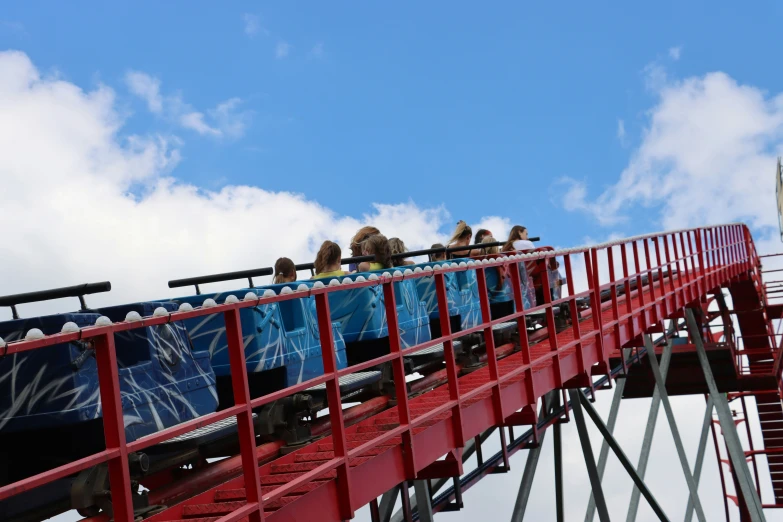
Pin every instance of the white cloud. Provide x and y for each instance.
(499, 226)
(225, 119)
(282, 49)
(100, 206)
(195, 121)
(229, 119)
(252, 24)
(146, 87)
(709, 150)
(675, 52)
(621, 131)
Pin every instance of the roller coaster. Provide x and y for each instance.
(309, 400)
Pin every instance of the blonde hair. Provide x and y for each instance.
(329, 254)
(462, 231)
(492, 249)
(284, 267)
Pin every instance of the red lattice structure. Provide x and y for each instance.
(372, 448)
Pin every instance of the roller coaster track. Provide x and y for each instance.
(330, 478)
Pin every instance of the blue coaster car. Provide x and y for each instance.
(282, 343)
(161, 381)
(361, 313)
(50, 410)
(461, 293)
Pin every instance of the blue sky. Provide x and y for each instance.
(161, 140)
(442, 103)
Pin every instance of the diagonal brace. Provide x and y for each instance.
(621, 456)
(587, 451)
(667, 407)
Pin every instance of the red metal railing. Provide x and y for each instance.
(680, 268)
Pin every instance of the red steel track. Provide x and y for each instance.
(329, 479)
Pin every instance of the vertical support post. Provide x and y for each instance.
(705, 431)
(247, 436)
(451, 363)
(604, 454)
(580, 356)
(407, 515)
(398, 373)
(423, 502)
(557, 435)
(550, 323)
(595, 299)
(114, 427)
(530, 469)
(489, 341)
(587, 450)
(335, 406)
(736, 453)
(661, 385)
(524, 344)
(649, 431)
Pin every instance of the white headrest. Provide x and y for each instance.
(69, 327)
(35, 333)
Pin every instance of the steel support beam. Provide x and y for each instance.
(423, 502)
(527, 481)
(705, 431)
(587, 450)
(736, 453)
(468, 451)
(388, 500)
(531, 464)
(649, 432)
(619, 386)
(558, 466)
(667, 407)
(620, 455)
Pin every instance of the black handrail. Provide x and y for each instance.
(249, 274)
(226, 276)
(55, 293)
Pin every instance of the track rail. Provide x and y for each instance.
(331, 478)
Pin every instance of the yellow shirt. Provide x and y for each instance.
(376, 266)
(334, 273)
